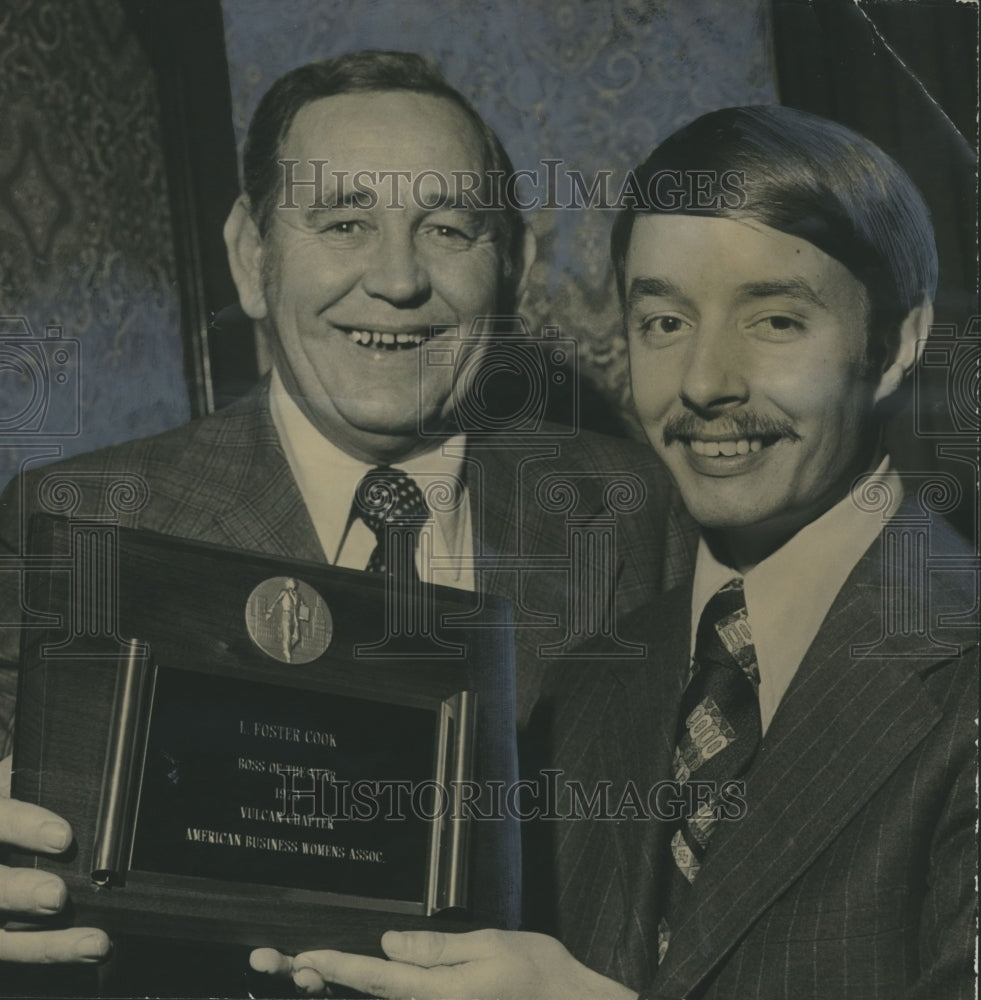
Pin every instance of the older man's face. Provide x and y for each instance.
(352, 289)
(748, 367)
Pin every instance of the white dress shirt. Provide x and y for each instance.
(327, 478)
(789, 594)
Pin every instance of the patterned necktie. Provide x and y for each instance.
(392, 505)
(718, 735)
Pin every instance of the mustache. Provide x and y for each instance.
(740, 424)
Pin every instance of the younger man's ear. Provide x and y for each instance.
(244, 246)
(912, 340)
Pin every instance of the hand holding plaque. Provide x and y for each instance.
(38, 896)
(268, 755)
(428, 965)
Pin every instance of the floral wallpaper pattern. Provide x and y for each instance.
(86, 250)
(595, 83)
(85, 239)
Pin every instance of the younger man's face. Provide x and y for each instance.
(748, 364)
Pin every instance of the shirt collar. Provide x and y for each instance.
(789, 593)
(327, 476)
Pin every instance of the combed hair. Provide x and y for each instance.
(366, 71)
(814, 179)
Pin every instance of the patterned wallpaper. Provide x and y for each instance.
(596, 83)
(85, 240)
(85, 243)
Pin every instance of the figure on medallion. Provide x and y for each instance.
(291, 612)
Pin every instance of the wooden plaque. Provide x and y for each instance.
(258, 751)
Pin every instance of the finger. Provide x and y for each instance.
(271, 962)
(77, 944)
(6, 768)
(432, 948)
(32, 827)
(27, 890)
(310, 982)
(375, 976)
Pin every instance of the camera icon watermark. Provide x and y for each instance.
(39, 381)
(505, 380)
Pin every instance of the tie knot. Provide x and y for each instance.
(387, 496)
(724, 637)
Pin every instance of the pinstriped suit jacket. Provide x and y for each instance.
(225, 479)
(852, 873)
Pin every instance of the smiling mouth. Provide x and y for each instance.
(730, 447)
(384, 341)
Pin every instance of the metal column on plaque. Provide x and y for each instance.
(122, 769)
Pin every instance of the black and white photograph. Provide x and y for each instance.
(489, 499)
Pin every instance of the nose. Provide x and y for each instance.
(715, 375)
(395, 271)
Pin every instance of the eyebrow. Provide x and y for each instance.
(652, 288)
(360, 201)
(791, 288)
(450, 202)
(330, 202)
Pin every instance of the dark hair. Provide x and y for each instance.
(367, 71)
(810, 178)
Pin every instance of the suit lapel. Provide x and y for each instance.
(260, 507)
(843, 727)
(492, 479)
(646, 718)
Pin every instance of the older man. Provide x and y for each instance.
(801, 738)
(369, 229)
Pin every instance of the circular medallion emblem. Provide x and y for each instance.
(288, 620)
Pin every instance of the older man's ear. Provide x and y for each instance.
(912, 340)
(244, 245)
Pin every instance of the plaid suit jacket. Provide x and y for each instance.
(852, 873)
(226, 480)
